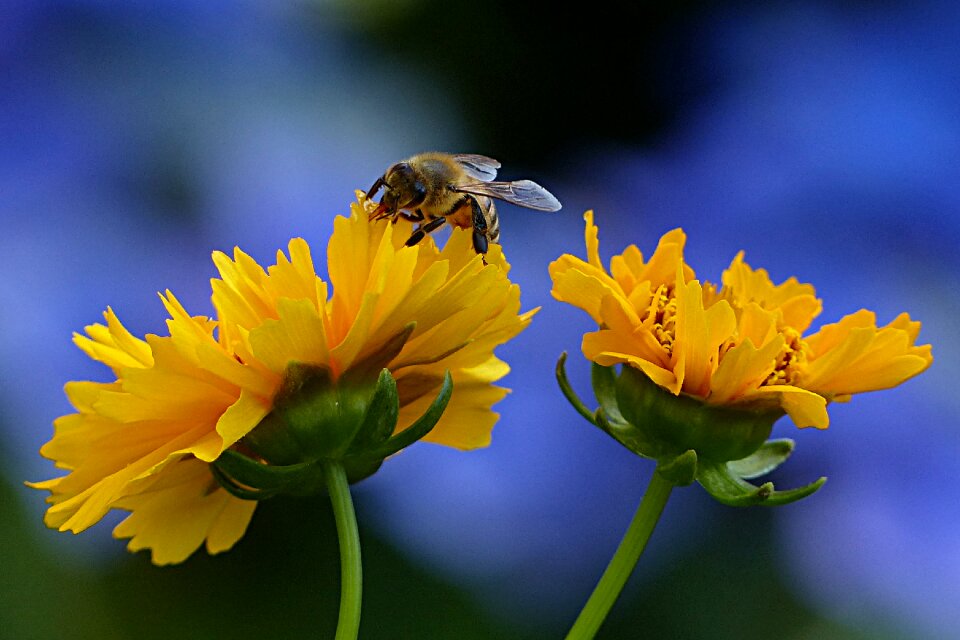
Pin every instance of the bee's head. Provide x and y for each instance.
(403, 188)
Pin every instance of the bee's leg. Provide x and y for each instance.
(479, 227)
(423, 230)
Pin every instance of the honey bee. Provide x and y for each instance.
(434, 188)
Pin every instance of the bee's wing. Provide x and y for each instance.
(479, 167)
(525, 193)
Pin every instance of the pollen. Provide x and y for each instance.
(791, 360)
(661, 316)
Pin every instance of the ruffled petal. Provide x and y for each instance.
(743, 368)
(205, 513)
(699, 334)
(113, 345)
(805, 408)
(854, 356)
(796, 302)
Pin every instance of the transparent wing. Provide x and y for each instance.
(525, 193)
(479, 167)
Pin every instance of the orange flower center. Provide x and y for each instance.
(791, 360)
(661, 315)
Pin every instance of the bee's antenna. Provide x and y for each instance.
(372, 191)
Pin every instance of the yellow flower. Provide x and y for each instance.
(144, 442)
(742, 346)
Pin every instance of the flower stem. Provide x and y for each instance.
(351, 572)
(623, 561)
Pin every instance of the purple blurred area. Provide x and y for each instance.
(824, 139)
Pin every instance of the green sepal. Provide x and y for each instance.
(314, 416)
(724, 485)
(421, 427)
(363, 462)
(719, 446)
(380, 417)
(267, 480)
(676, 423)
(569, 393)
(681, 470)
(727, 488)
(768, 457)
(604, 381)
(237, 491)
(357, 469)
(316, 420)
(779, 498)
(628, 436)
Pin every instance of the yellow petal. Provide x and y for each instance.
(345, 353)
(797, 303)
(298, 335)
(237, 421)
(245, 277)
(699, 334)
(757, 324)
(113, 345)
(606, 349)
(743, 368)
(349, 254)
(177, 514)
(832, 335)
(468, 420)
(854, 356)
(296, 277)
(580, 289)
(422, 307)
(230, 524)
(84, 394)
(667, 259)
(805, 408)
(592, 238)
(627, 268)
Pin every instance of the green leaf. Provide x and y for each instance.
(729, 489)
(418, 429)
(568, 391)
(681, 470)
(768, 457)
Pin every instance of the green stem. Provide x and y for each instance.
(351, 572)
(623, 561)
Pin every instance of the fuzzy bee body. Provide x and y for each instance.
(434, 188)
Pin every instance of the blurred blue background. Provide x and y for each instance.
(821, 137)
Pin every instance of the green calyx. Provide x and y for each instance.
(719, 447)
(318, 419)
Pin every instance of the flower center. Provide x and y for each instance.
(662, 316)
(791, 360)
